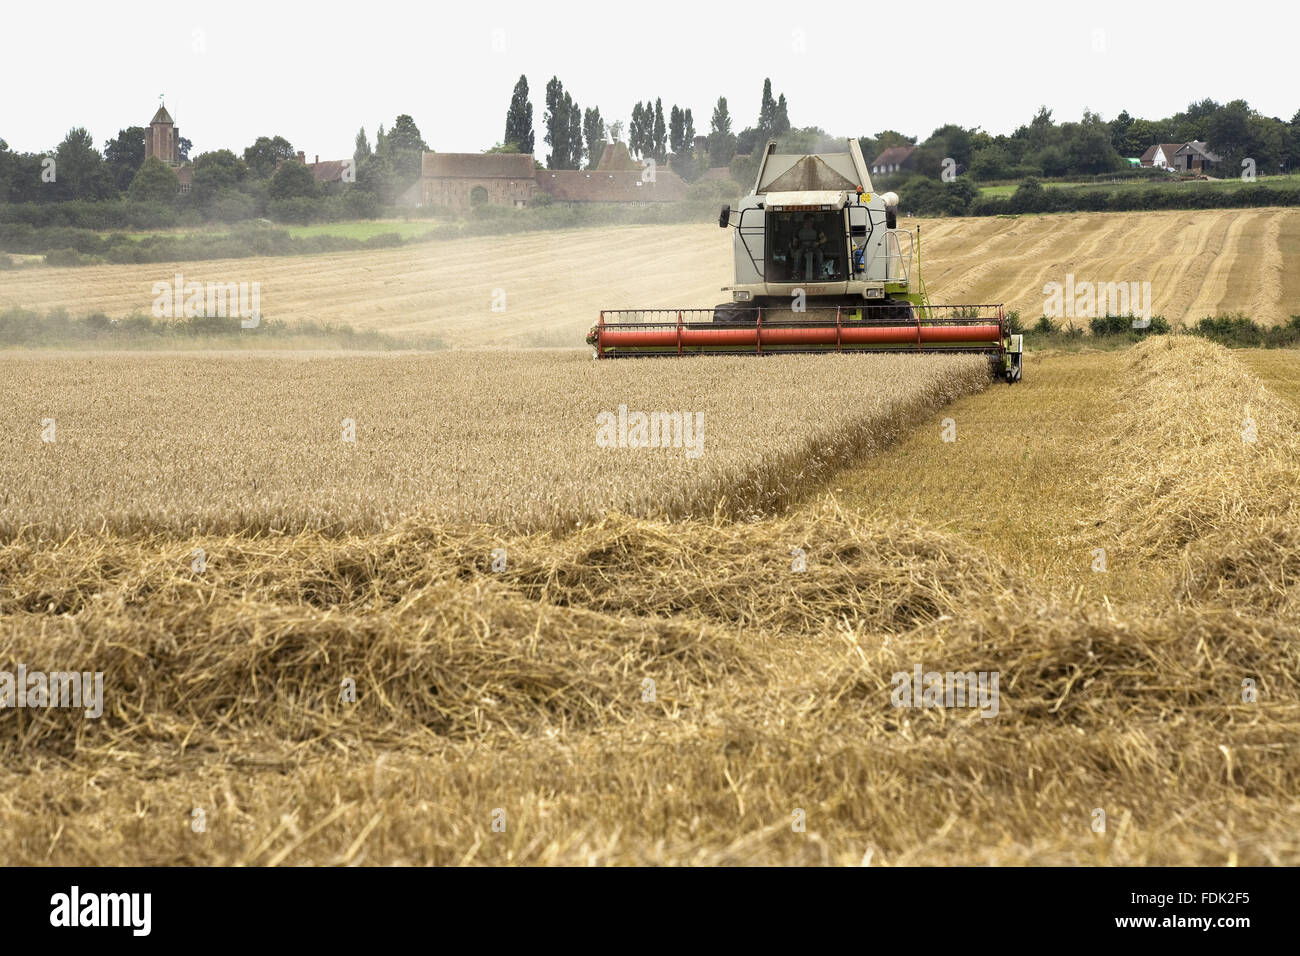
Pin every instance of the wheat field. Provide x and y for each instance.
(546, 289)
(282, 443)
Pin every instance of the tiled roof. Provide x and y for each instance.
(575, 185)
(894, 156)
(329, 170)
(615, 156)
(1196, 146)
(478, 165)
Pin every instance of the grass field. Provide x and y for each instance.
(1006, 189)
(679, 692)
(547, 289)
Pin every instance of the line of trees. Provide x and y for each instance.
(571, 132)
(266, 178)
(1044, 148)
(575, 135)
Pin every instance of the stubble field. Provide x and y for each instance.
(545, 289)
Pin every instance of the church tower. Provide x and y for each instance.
(162, 138)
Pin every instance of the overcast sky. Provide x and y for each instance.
(315, 73)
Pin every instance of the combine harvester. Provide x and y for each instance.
(819, 267)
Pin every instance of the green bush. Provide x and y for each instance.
(1123, 325)
(125, 253)
(1045, 326)
(360, 204)
(231, 205)
(66, 257)
(713, 190)
(292, 180)
(925, 196)
(1238, 331)
(156, 182)
(1110, 325)
(298, 210)
(1030, 196)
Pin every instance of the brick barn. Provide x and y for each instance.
(461, 180)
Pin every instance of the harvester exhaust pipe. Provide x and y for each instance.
(891, 210)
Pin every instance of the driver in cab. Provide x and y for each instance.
(807, 249)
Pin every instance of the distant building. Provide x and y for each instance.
(162, 142)
(616, 156)
(622, 186)
(463, 180)
(162, 138)
(893, 160)
(1160, 156)
(326, 173)
(1194, 157)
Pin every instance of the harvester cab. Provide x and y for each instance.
(815, 235)
(820, 265)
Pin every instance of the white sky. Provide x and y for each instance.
(315, 73)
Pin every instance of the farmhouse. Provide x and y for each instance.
(893, 160)
(328, 172)
(1193, 157)
(1160, 156)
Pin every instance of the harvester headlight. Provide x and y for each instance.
(875, 293)
(744, 296)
